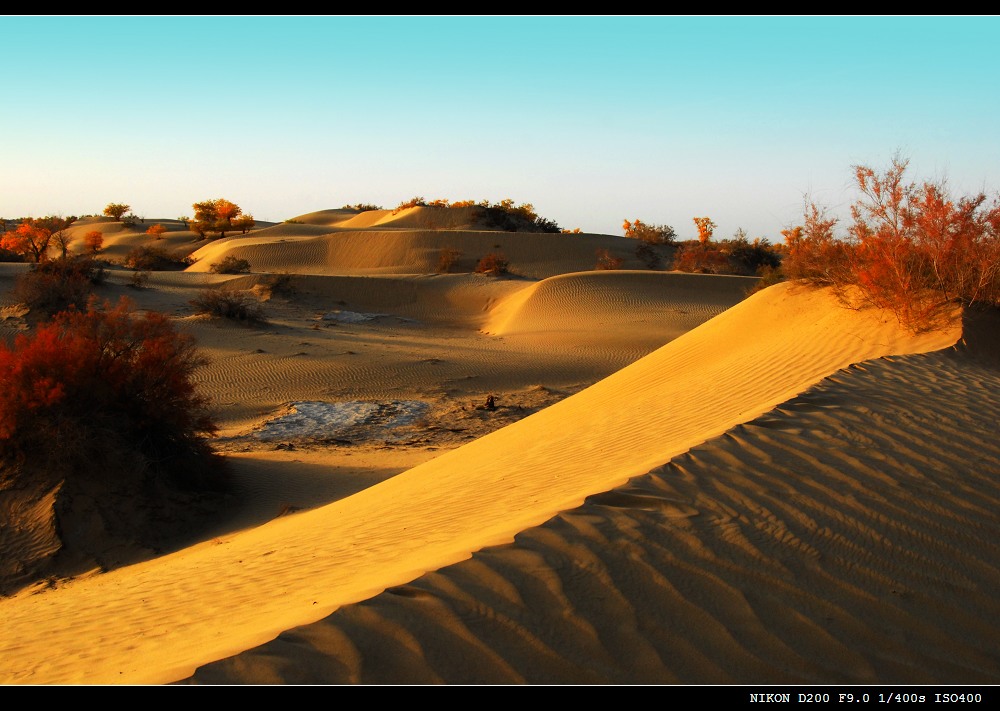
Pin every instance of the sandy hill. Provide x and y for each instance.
(343, 241)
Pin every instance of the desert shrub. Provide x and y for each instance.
(102, 378)
(749, 258)
(494, 264)
(156, 231)
(694, 257)
(138, 280)
(769, 276)
(278, 284)
(605, 260)
(230, 265)
(510, 217)
(362, 207)
(244, 223)
(57, 284)
(94, 241)
(911, 248)
(649, 255)
(649, 234)
(154, 259)
(235, 305)
(412, 202)
(447, 258)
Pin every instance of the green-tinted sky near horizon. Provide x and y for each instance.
(592, 119)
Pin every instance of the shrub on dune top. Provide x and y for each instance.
(912, 248)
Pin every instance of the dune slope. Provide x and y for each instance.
(848, 536)
(156, 621)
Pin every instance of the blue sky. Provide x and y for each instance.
(592, 119)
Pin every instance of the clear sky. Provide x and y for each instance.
(591, 119)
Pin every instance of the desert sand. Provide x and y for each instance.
(681, 483)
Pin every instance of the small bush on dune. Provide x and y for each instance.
(138, 280)
(235, 305)
(447, 258)
(649, 234)
(230, 265)
(278, 284)
(911, 248)
(156, 231)
(154, 259)
(412, 202)
(701, 259)
(605, 260)
(55, 285)
(649, 255)
(362, 207)
(493, 264)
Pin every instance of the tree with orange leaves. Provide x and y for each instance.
(217, 215)
(28, 240)
(94, 241)
(705, 229)
(156, 231)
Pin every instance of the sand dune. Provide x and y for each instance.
(157, 621)
(847, 536)
(298, 249)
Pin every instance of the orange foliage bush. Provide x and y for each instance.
(650, 234)
(98, 375)
(156, 231)
(447, 258)
(94, 241)
(911, 248)
(605, 260)
(494, 264)
(696, 258)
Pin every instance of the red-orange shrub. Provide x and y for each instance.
(702, 260)
(447, 258)
(494, 263)
(605, 260)
(911, 248)
(101, 376)
(156, 231)
(94, 241)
